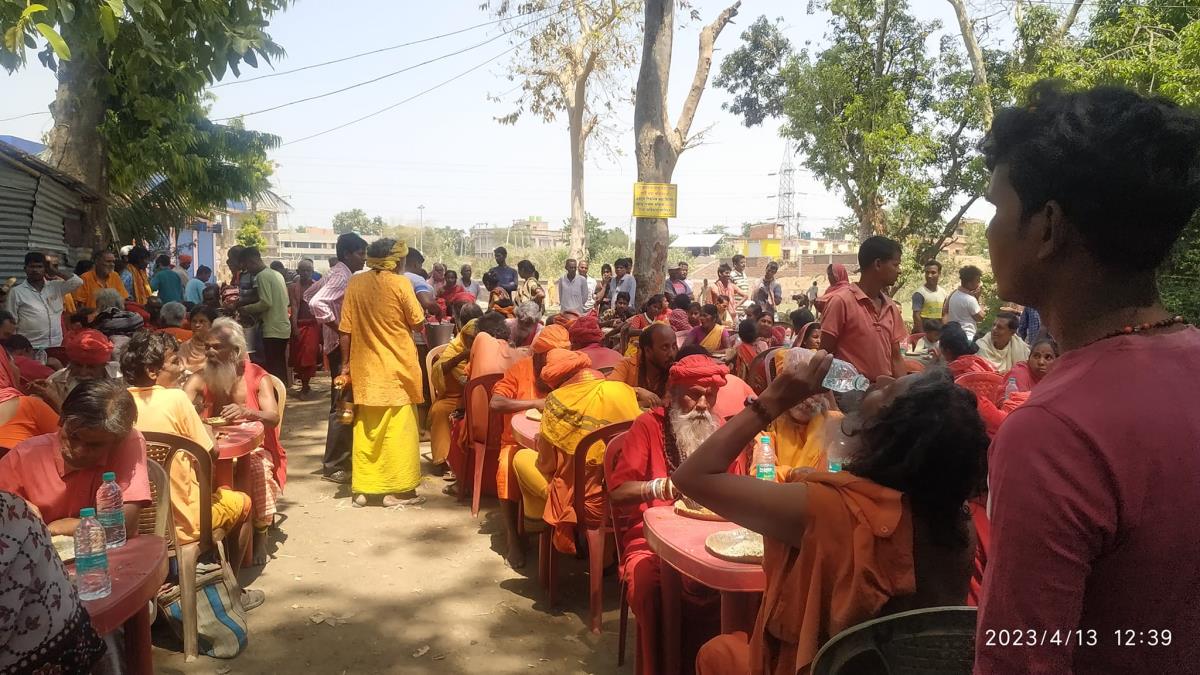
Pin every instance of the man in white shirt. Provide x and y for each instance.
(963, 304)
(591, 287)
(623, 282)
(37, 302)
(739, 279)
(469, 284)
(573, 290)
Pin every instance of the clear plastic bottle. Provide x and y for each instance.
(764, 459)
(91, 558)
(842, 376)
(1011, 388)
(110, 507)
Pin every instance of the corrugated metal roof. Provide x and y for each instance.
(697, 241)
(25, 161)
(24, 145)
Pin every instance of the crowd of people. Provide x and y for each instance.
(1053, 501)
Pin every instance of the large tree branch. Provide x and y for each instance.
(708, 37)
(975, 54)
(1068, 20)
(585, 26)
(880, 37)
(952, 225)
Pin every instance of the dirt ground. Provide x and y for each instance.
(423, 590)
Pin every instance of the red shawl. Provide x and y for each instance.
(841, 280)
(252, 376)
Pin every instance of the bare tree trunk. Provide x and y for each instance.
(75, 144)
(578, 151)
(975, 54)
(657, 144)
(1068, 20)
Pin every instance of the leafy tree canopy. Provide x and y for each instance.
(357, 221)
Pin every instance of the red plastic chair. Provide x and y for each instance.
(611, 453)
(594, 532)
(985, 385)
(603, 359)
(912, 340)
(492, 424)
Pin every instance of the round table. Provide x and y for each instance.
(679, 543)
(137, 571)
(233, 441)
(525, 431)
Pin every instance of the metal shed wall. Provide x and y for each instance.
(17, 194)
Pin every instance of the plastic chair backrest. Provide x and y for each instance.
(602, 435)
(483, 424)
(932, 640)
(756, 373)
(611, 453)
(603, 358)
(430, 357)
(280, 397)
(985, 385)
(912, 340)
(162, 448)
(156, 518)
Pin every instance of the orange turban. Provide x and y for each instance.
(551, 337)
(561, 364)
(697, 370)
(566, 319)
(88, 347)
(586, 331)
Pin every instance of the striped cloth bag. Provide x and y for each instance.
(220, 619)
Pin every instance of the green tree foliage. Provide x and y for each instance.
(130, 113)
(250, 233)
(357, 221)
(598, 237)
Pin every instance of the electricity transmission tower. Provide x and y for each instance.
(786, 197)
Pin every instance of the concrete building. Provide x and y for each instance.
(531, 232)
(318, 244)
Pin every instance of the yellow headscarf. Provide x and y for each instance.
(387, 264)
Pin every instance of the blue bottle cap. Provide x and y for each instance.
(87, 513)
(764, 439)
(109, 475)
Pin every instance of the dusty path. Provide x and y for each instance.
(416, 591)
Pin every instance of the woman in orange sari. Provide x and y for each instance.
(843, 548)
(749, 346)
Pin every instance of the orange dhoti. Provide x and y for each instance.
(306, 349)
(700, 614)
(725, 655)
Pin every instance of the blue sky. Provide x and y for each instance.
(444, 150)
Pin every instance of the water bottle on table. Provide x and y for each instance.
(110, 504)
(764, 459)
(91, 558)
(842, 377)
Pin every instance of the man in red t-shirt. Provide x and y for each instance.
(1094, 562)
(862, 324)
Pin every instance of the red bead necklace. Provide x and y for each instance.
(1143, 327)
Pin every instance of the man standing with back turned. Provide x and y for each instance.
(1094, 556)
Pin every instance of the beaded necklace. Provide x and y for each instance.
(1142, 327)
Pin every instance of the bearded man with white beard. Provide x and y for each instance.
(231, 387)
(655, 446)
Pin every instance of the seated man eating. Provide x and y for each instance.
(232, 387)
(152, 366)
(59, 473)
(657, 444)
(646, 371)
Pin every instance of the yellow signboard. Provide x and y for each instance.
(655, 200)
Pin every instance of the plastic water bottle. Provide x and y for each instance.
(1011, 388)
(764, 459)
(111, 507)
(91, 558)
(842, 377)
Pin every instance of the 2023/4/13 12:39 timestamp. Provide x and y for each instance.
(1152, 637)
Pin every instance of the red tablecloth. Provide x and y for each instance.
(137, 570)
(525, 431)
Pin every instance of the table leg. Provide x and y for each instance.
(223, 473)
(671, 587)
(137, 643)
(739, 611)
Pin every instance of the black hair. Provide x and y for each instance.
(691, 350)
(162, 260)
(724, 267)
(711, 310)
(102, 404)
(203, 310)
(490, 280)
(277, 265)
(17, 342)
(936, 466)
(501, 250)
(954, 343)
(203, 269)
(493, 323)
(414, 257)
(748, 331)
(930, 325)
(695, 307)
(137, 255)
(526, 266)
(249, 254)
(349, 243)
(35, 257)
(801, 317)
(934, 263)
(146, 349)
(6, 316)
(1014, 321)
(1044, 341)
(681, 301)
(469, 311)
(504, 302)
(753, 309)
(969, 274)
(1113, 160)
(627, 263)
(737, 258)
(83, 267)
(621, 295)
(606, 268)
(877, 248)
(653, 300)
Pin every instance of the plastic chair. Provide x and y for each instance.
(912, 340)
(985, 385)
(430, 357)
(163, 448)
(934, 640)
(478, 451)
(611, 453)
(756, 373)
(594, 532)
(280, 396)
(155, 518)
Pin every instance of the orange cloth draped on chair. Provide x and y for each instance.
(856, 554)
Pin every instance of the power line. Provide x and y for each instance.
(369, 53)
(395, 72)
(9, 119)
(410, 98)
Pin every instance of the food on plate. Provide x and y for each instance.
(740, 545)
(216, 421)
(533, 414)
(690, 509)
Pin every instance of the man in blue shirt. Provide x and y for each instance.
(166, 281)
(194, 291)
(505, 275)
(623, 282)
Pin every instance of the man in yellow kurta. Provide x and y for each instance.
(582, 402)
(379, 313)
(99, 278)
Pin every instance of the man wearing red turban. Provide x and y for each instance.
(88, 354)
(657, 444)
(88, 348)
(585, 338)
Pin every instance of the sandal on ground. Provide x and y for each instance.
(358, 501)
(252, 598)
(390, 501)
